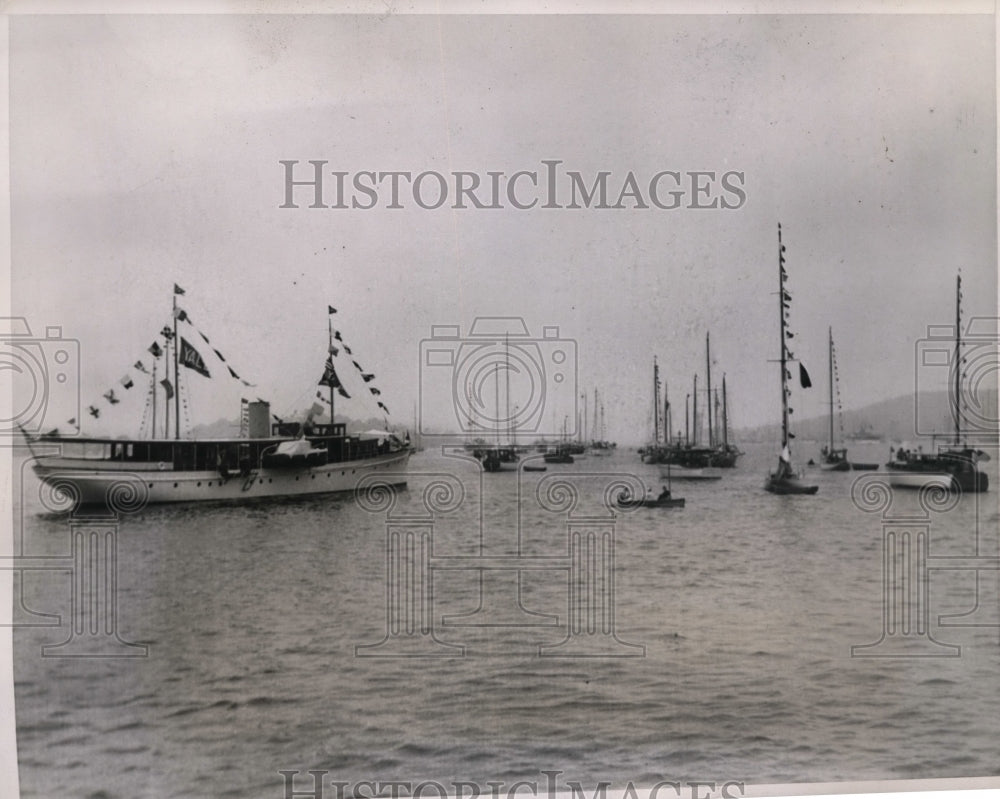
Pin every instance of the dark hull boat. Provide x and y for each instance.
(784, 481)
(651, 502)
(497, 459)
(953, 468)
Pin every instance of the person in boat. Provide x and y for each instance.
(664, 494)
(784, 470)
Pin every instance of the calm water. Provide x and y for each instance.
(747, 606)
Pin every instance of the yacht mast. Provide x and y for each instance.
(784, 348)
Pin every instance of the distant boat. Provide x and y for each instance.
(664, 500)
(834, 459)
(955, 467)
(558, 455)
(499, 456)
(864, 433)
(722, 454)
(599, 447)
(726, 454)
(653, 452)
(497, 459)
(784, 480)
(686, 452)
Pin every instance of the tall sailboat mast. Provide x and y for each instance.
(506, 374)
(177, 377)
(594, 429)
(329, 354)
(666, 415)
(166, 400)
(687, 421)
(153, 433)
(694, 414)
(725, 416)
(784, 348)
(958, 361)
(656, 402)
(831, 388)
(708, 372)
(783, 480)
(496, 396)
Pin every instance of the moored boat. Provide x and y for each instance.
(268, 459)
(954, 467)
(950, 468)
(835, 459)
(164, 470)
(558, 455)
(663, 500)
(784, 479)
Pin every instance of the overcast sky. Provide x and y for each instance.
(146, 151)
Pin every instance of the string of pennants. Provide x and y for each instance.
(330, 377)
(187, 356)
(786, 303)
(836, 383)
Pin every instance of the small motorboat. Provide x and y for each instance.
(559, 456)
(664, 500)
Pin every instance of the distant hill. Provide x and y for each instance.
(230, 428)
(899, 419)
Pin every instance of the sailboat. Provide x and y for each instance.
(835, 459)
(955, 467)
(653, 452)
(702, 462)
(784, 480)
(560, 453)
(728, 453)
(686, 462)
(599, 446)
(268, 459)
